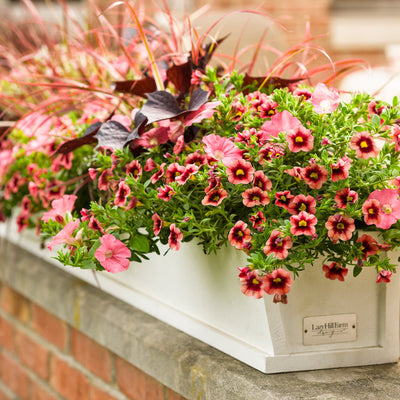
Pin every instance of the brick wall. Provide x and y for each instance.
(44, 358)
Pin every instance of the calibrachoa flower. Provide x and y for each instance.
(345, 196)
(165, 193)
(239, 235)
(384, 276)
(214, 197)
(314, 175)
(134, 168)
(113, 255)
(340, 227)
(300, 139)
(340, 170)
(371, 212)
(335, 271)
(278, 282)
(123, 192)
(302, 203)
(389, 207)
(252, 284)
(283, 199)
(303, 224)
(278, 245)
(369, 246)
(255, 197)
(240, 171)
(175, 237)
(261, 181)
(157, 224)
(364, 145)
(257, 220)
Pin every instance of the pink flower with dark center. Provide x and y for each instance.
(396, 137)
(257, 220)
(389, 206)
(214, 197)
(188, 172)
(261, 181)
(303, 224)
(302, 92)
(221, 149)
(60, 208)
(104, 179)
(175, 237)
(165, 193)
(278, 244)
(173, 171)
(302, 203)
(214, 182)
(134, 168)
(112, 255)
(94, 224)
(369, 246)
(132, 203)
(324, 101)
(92, 173)
(122, 194)
(268, 152)
(66, 235)
(340, 170)
(268, 108)
(154, 137)
(179, 145)
(157, 224)
(372, 212)
(196, 158)
(22, 221)
(283, 199)
(373, 108)
(278, 282)
(239, 236)
(240, 171)
(296, 172)
(340, 227)
(384, 276)
(364, 145)
(300, 139)
(252, 284)
(150, 165)
(283, 121)
(255, 197)
(335, 271)
(314, 175)
(345, 196)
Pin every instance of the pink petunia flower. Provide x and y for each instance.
(255, 197)
(214, 197)
(113, 255)
(283, 121)
(175, 237)
(221, 149)
(389, 207)
(154, 137)
(239, 236)
(340, 227)
(240, 171)
(300, 139)
(303, 224)
(66, 235)
(278, 244)
(60, 207)
(335, 271)
(324, 101)
(252, 283)
(278, 282)
(364, 145)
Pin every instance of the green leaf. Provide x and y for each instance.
(376, 121)
(356, 271)
(395, 101)
(139, 243)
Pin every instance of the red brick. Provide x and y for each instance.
(136, 384)
(50, 327)
(14, 376)
(6, 335)
(98, 394)
(171, 395)
(91, 355)
(32, 355)
(40, 393)
(68, 381)
(15, 304)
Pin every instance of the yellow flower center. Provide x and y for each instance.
(256, 282)
(363, 144)
(387, 209)
(371, 211)
(349, 198)
(314, 175)
(340, 226)
(277, 280)
(283, 198)
(299, 139)
(303, 223)
(239, 172)
(303, 207)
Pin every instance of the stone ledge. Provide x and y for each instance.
(186, 365)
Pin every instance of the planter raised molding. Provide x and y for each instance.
(326, 324)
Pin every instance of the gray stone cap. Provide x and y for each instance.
(186, 365)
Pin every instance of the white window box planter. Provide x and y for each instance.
(349, 323)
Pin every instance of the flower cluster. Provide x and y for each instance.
(283, 172)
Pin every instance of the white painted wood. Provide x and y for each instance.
(201, 296)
